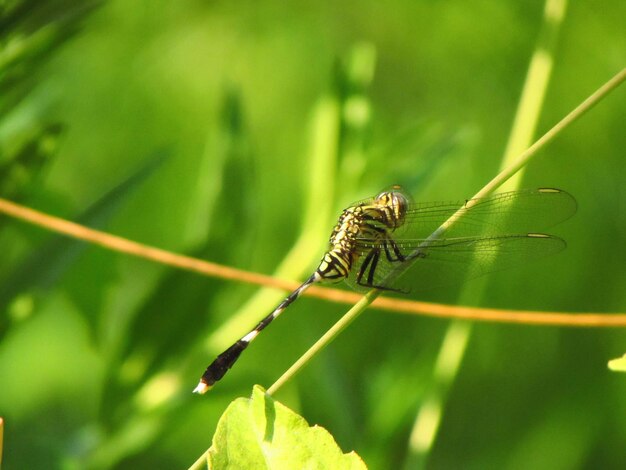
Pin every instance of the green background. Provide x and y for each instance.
(214, 104)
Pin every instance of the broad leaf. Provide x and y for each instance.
(259, 432)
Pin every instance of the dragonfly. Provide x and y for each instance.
(378, 240)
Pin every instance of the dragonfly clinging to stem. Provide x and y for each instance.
(376, 240)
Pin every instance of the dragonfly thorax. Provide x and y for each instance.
(371, 220)
(338, 260)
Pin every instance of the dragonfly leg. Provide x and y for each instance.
(399, 257)
(364, 267)
(369, 266)
(373, 263)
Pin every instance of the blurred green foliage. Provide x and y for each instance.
(97, 362)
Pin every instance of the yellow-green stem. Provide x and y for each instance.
(498, 180)
(457, 336)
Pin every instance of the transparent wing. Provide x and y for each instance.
(512, 212)
(445, 261)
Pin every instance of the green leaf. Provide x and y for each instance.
(259, 432)
(619, 364)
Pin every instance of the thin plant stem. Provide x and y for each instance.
(201, 462)
(457, 337)
(549, 136)
(331, 334)
(490, 187)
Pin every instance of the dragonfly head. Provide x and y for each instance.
(396, 202)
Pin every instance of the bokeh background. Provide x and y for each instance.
(203, 128)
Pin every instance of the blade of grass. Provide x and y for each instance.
(523, 159)
(357, 114)
(323, 156)
(154, 401)
(457, 336)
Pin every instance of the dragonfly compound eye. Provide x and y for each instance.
(400, 204)
(395, 204)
